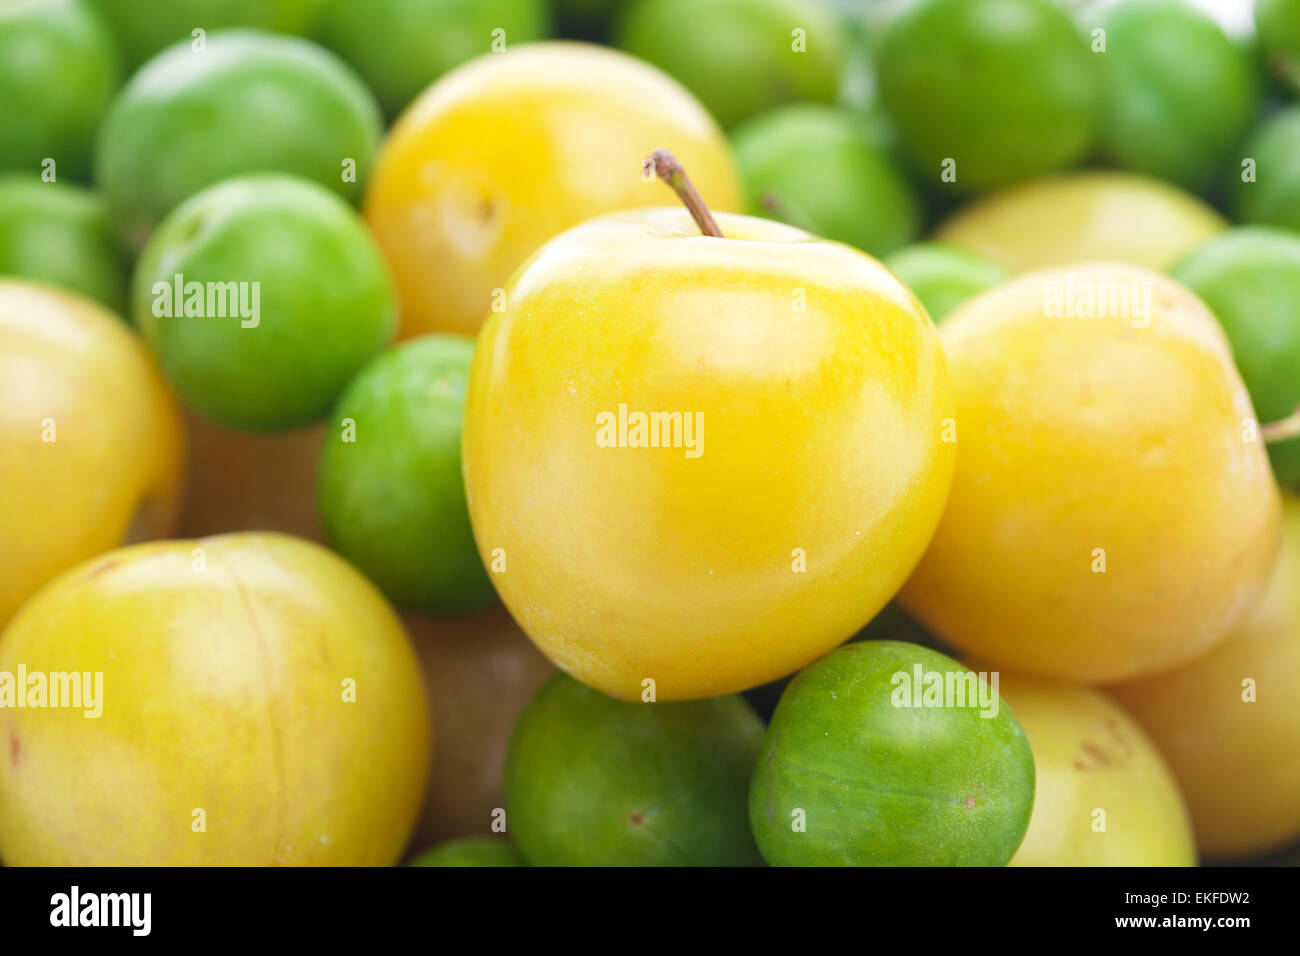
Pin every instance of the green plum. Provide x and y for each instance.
(858, 80)
(58, 233)
(392, 498)
(1266, 191)
(261, 297)
(249, 102)
(819, 168)
(891, 624)
(143, 27)
(1179, 95)
(593, 781)
(863, 767)
(739, 57)
(58, 70)
(1250, 279)
(1277, 22)
(988, 92)
(869, 21)
(943, 276)
(401, 46)
(471, 851)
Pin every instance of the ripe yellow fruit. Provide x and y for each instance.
(1084, 217)
(91, 445)
(1103, 795)
(513, 148)
(1229, 722)
(259, 704)
(715, 559)
(1112, 513)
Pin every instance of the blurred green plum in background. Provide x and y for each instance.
(820, 168)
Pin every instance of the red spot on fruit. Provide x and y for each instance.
(637, 820)
(103, 567)
(970, 803)
(15, 750)
(1099, 755)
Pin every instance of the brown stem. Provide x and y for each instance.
(668, 170)
(1283, 430)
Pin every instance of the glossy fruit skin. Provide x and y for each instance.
(891, 624)
(248, 102)
(1273, 198)
(942, 276)
(471, 851)
(144, 27)
(326, 302)
(1006, 88)
(1250, 279)
(819, 169)
(709, 328)
(1083, 217)
(1238, 763)
(1162, 116)
(393, 500)
(513, 148)
(738, 56)
(1097, 529)
(58, 71)
(58, 233)
(113, 471)
(480, 671)
(232, 699)
(593, 781)
(401, 46)
(886, 785)
(1088, 755)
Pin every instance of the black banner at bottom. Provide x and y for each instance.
(333, 906)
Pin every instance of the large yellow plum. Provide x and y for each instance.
(702, 461)
(91, 445)
(511, 149)
(1229, 721)
(1104, 796)
(1084, 217)
(1112, 512)
(240, 700)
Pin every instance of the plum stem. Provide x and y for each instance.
(1282, 430)
(668, 170)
